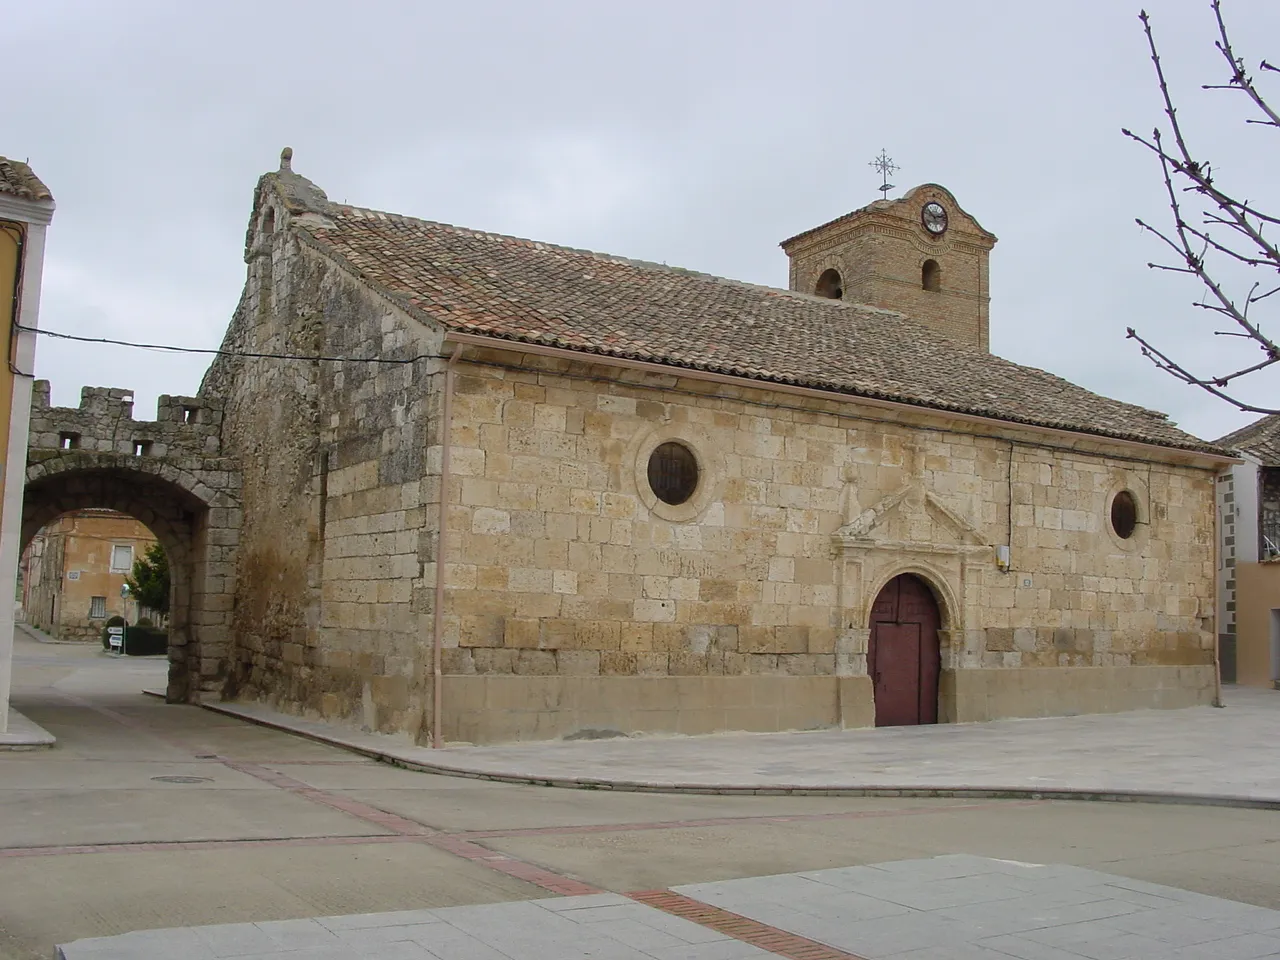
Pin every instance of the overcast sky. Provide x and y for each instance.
(695, 133)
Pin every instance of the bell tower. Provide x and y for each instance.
(920, 255)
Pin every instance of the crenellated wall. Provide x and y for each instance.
(103, 423)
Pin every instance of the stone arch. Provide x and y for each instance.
(936, 580)
(931, 276)
(196, 523)
(904, 650)
(830, 285)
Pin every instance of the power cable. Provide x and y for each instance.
(169, 348)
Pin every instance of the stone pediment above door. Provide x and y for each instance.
(912, 518)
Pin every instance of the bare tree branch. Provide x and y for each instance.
(1239, 78)
(1164, 363)
(1228, 229)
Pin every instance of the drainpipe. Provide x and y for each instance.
(437, 631)
(1219, 572)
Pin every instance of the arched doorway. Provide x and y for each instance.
(903, 655)
(195, 524)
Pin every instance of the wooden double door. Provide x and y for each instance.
(903, 654)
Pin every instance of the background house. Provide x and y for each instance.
(74, 569)
(1249, 570)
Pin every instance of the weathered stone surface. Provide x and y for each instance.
(171, 475)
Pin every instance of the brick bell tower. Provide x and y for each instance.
(920, 255)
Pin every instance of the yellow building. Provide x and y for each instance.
(26, 208)
(74, 570)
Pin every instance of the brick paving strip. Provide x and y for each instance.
(364, 811)
(742, 928)
(512, 866)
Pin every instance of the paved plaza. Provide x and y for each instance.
(147, 817)
(944, 908)
(1220, 755)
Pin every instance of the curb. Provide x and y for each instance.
(25, 735)
(780, 790)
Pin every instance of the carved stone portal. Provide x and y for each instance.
(911, 531)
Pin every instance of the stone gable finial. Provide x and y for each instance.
(286, 159)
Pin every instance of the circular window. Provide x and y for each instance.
(1124, 514)
(673, 472)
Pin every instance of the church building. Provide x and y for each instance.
(536, 492)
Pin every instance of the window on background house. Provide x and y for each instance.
(97, 608)
(1269, 513)
(121, 558)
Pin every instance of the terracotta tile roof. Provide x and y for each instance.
(17, 179)
(1260, 438)
(522, 290)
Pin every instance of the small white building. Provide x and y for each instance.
(26, 208)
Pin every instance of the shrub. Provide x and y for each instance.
(142, 641)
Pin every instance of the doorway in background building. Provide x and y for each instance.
(903, 655)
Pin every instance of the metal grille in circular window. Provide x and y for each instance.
(1124, 514)
(673, 472)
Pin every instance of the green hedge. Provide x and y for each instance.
(139, 641)
(145, 641)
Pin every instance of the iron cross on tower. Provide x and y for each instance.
(884, 166)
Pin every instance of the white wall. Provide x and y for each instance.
(37, 215)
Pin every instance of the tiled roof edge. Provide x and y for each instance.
(18, 180)
(764, 380)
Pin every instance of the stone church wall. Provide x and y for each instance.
(334, 480)
(579, 602)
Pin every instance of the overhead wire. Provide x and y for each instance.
(219, 352)
(168, 348)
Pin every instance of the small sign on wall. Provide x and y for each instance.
(73, 575)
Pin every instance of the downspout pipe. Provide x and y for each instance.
(442, 540)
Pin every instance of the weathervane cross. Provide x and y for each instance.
(884, 166)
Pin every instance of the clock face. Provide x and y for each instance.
(934, 217)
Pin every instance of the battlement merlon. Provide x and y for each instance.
(184, 426)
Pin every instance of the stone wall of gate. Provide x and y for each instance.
(171, 475)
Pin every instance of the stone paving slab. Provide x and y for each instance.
(25, 734)
(971, 908)
(955, 907)
(604, 926)
(1200, 754)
